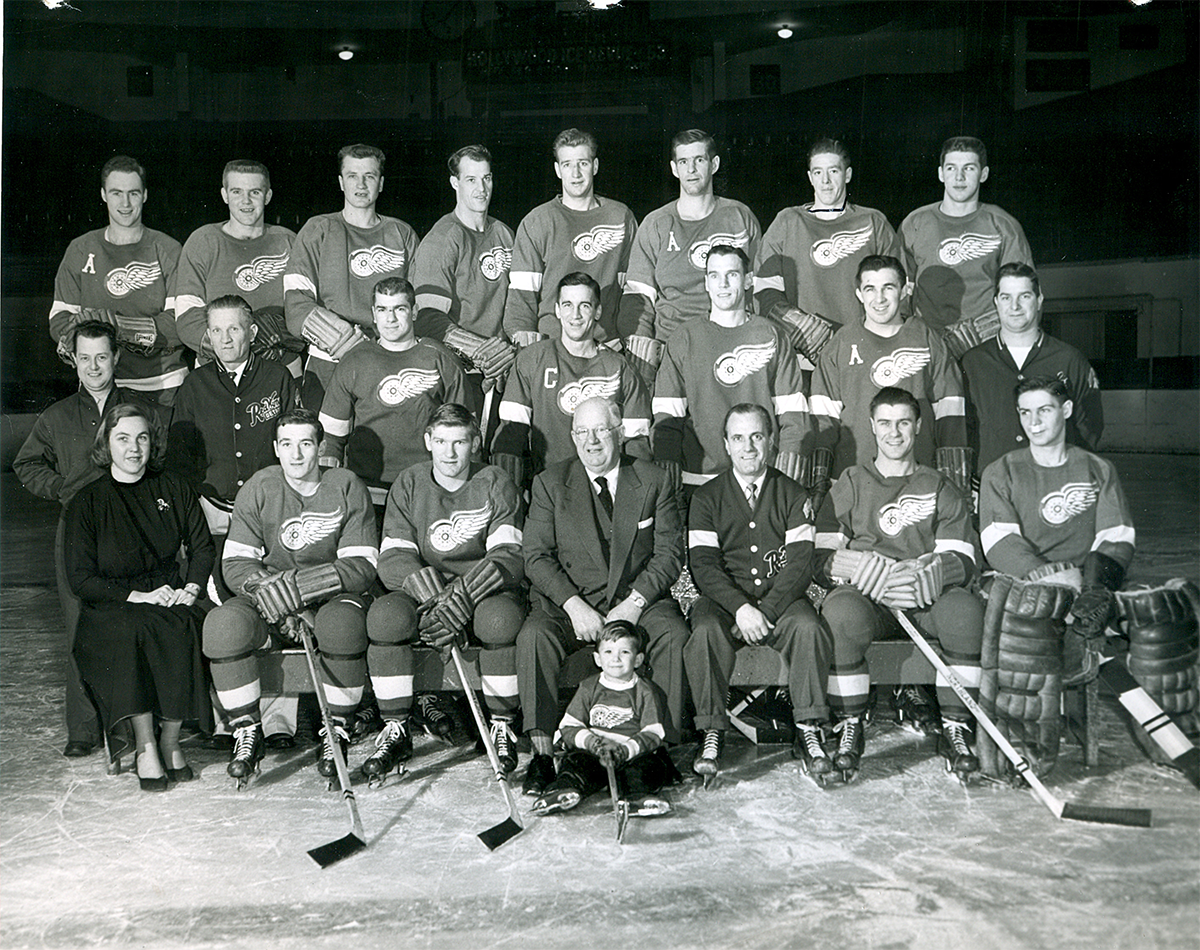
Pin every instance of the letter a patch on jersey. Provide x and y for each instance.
(672, 244)
(90, 266)
(855, 358)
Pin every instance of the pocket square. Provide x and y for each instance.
(646, 524)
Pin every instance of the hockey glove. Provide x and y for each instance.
(1094, 605)
(971, 331)
(613, 754)
(423, 585)
(809, 332)
(957, 464)
(818, 482)
(326, 330)
(871, 575)
(914, 584)
(318, 583)
(524, 338)
(790, 463)
(1057, 574)
(495, 357)
(452, 610)
(278, 596)
(645, 354)
(514, 465)
(273, 340)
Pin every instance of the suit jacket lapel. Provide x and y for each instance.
(580, 494)
(627, 508)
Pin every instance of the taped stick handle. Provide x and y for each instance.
(339, 760)
(1136, 817)
(481, 725)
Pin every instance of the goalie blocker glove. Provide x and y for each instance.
(326, 330)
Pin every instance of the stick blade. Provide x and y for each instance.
(328, 854)
(497, 835)
(1132, 817)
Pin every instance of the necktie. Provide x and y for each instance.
(606, 498)
(751, 493)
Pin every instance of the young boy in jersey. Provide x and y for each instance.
(615, 718)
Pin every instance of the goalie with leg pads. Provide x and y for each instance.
(1021, 682)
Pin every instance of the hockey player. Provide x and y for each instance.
(336, 261)
(953, 249)
(302, 539)
(243, 256)
(461, 272)
(665, 284)
(896, 534)
(615, 718)
(383, 394)
(714, 364)
(750, 549)
(575, 232)
(603, 542)
(551, 377)
(804, 273)
(1022, 351)
(124, 274)
(451, 554)
(54, 463)
(883, 349)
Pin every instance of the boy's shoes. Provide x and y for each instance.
(649, 807)
(539, 774)
(563, 799)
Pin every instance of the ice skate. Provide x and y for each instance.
(850, 747)
(555, 799)
(953, 747)
(325, 764)
(248, 749)
(808, 747)
(706, 763)
(652, 806)
(432, 713)
(393, 746)
(916, 709)
(365, 722)
(505, 744)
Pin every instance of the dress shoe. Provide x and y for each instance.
(280, 742)
(184, 774)
(77, 749)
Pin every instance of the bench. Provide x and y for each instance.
(890, 661)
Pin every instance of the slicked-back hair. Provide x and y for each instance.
(828, 146)
(728, 250)
(749, 409)
(94, 330)
(880, 262)
(299, 416)
(964, 143)
(122, 163)
(1018, 269)
(569, 138)
(1051, 385)
(100, 454)
(477, 153)
(246, 166)
(622, 630)
(391, 286)
(691, 137)
(359, 150)
(895, 396)
(452, 415)
(230, 302)
(579, 279)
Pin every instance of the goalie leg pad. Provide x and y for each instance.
(1022, 667)
(1162, 627)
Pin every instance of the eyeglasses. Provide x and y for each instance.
(596, 432)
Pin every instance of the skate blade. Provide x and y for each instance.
(328, 854)
(710, 781)
(651, 808)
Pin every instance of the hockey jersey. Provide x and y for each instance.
(953, 261)
(135, 280)
(762, 557)
(461, 276)
(856, 363)
(425, 524)
(275, 528)
(337, 265)
(708, 369)
(630, 713)
(1031, 515)
(553, 241)
(810, 262)
(377, 406)
(664, 286)
(214, 264)
(544, 387)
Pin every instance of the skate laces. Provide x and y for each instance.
(244, 741)
(812, 740)
(393, 732)
(327, 743)
(956, 735)
(712, 744)
(849, 730)
(913, 702)
(430, 708)
(502, 736)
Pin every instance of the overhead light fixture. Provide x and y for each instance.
(784, 32)
(345, 54)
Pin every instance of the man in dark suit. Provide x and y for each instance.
(603, 541)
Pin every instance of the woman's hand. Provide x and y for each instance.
(187, 596)
(162, 596)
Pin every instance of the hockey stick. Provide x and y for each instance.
(355, 841)
(620, 808)
(1152, 718)
(495, 836)
(1134, 817)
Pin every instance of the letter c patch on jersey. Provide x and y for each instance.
(550, 377)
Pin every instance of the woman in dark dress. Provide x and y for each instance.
(138, 644)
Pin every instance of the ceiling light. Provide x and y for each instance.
(345, 54)
(784, 32)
